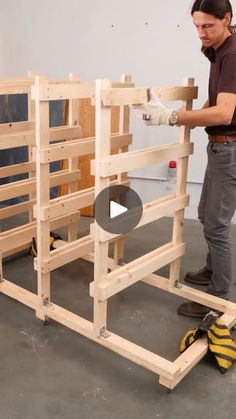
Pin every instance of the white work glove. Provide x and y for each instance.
(153, 112)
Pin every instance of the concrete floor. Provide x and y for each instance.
(50, 372)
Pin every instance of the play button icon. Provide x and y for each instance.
(118, 209)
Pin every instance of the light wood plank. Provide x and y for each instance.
(132, 272)
(152, 211)
(16, 169)
(14, 127)
(184, 93)
(10, 211)
(19, 294)
(140, 158)
(79, 148)
(66, 254)
(64, 91)
(124, 96)
(26, 186)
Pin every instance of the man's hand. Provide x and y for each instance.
(153, 112)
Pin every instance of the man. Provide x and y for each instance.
(212, 19)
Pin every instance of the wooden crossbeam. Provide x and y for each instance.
(68, 203)
(20, 139)
(129, 96)
(63, 91)
(152, 211)
(10, 211)
(127, 275)
(79, 147)
(192, 294)
(140, 158)
(17, 140)
(124, 96)
(16, 127)
(176, 93)
(19, 294)
(66, 254)
(64, 204)
(72, 90)
(16, 169)
(15, 88)
(24, 187)
(19, 236)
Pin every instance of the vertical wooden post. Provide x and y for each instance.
(73, 162)
(181, 180)
(102, 149)
(31, 117)
(42, 193)
(123, 129)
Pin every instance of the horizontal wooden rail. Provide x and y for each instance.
(11, 210)
(130, 96)
(17, 169)
(17, 140)
(79, 147)
(192, 294)
(64, 91)
(131, 160)
(65, 254)
(127, 275)
(127, 96)
(64, 204)
(68, 203)
(20, 139)
(71, 90)
(21, 87)
(152, 211)
(176, 93)
(19, 294)
(23, 234)
(13, 127)
(26, 186)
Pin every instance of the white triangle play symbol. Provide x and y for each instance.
(116, 209)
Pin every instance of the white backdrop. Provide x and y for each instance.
(153, 40)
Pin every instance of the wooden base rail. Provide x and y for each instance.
(170, 372)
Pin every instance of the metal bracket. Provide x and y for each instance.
(47, 303)
(104, 333)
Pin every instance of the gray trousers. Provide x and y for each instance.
(216, 209)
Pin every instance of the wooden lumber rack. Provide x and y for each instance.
(112, 162)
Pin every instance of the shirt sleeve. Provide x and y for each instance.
(227, 81)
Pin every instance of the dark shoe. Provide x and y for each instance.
(192, 309)
(201, 277)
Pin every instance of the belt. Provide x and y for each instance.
(221, 138)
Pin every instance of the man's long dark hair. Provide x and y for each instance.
(217, 8)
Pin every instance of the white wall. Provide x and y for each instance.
(153, 40)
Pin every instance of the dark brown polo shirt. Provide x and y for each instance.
(223, 80)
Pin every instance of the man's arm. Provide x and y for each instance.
(221, 114)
